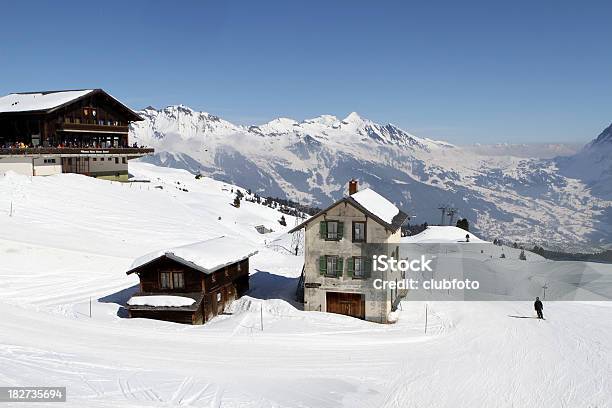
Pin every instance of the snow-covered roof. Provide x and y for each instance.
(39, 101)
(371, 203)
(205, 256)
(376, 204)
(161, 301)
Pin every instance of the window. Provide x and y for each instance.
(359, 267)
(171, 280)
(330, 265)
(359, 271)
(359, 231)
(178, 280)
(331, 230)
(124, 160)
(94, 159)
(116, 160)
(165, 280)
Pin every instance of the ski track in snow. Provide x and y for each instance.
(473, 354)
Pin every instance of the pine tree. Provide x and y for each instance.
(282, 221)
(522, 256)
(463, 224)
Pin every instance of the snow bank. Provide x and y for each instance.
(206, 256)
(376, 204)
(442, 234)
(161, 301)
(274, 306)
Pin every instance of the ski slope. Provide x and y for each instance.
(69, 239)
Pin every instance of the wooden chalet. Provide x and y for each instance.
(192, 283)
(74, 131)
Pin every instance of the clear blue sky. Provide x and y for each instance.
(490, 71)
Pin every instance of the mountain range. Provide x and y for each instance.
(562, 202)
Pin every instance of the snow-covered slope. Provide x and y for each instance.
(527, 200)
(69, 239)
(444, 234)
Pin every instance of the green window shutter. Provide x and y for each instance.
(350, 265)
(322, 265)
(323, 229)
(340, 267)
(340, 230)
(367, 267)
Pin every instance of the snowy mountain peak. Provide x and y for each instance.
(278, 126)
(325, 120)
(354, 118)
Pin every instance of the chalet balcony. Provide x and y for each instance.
(77, 151)
(92, 128)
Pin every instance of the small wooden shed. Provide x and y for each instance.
(191, 283)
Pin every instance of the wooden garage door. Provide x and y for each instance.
(350, 304)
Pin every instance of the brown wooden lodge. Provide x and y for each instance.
(73, 131)
(191, 272)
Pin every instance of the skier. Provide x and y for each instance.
(538, 307)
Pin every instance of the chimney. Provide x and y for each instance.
(352, 186)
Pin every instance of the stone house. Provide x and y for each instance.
(339, 244)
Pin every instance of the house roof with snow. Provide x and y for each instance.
(43, 102)
(186, 302)
(371, 204)
(205, 256)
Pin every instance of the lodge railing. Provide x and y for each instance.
(28, 151)
(93, 127)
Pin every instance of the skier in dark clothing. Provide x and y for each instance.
(538, 307)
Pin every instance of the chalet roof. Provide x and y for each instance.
(205, 256)
(48, 101)
(371, 204)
